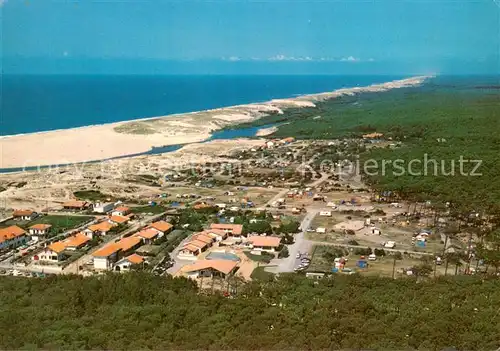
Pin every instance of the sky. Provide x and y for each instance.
(250, 36)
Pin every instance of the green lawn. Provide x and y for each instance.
(265, 257)
(60, 223)
(91, 195)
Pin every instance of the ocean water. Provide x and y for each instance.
(34, 103)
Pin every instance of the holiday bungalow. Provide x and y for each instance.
(230, 229)
(148, 236)
(76, 242)
(106, 256)
(76, 205)
(264, 243)
(126, 263)
(12, 237)
(211, 268)
(120, 211)
(25, 215)
(39, 230)
(52, 253)
(98, 229)
(162, 227)
(116, 220)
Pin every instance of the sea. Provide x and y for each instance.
(36, 103)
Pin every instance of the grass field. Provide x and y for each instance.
(61, 223)
(260, 274)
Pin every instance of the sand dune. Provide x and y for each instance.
(132, 137)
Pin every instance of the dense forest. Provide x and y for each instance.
(141, 311)
(445, 119)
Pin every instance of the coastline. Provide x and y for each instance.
(119, 139)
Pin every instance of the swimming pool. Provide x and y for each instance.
(222, 256)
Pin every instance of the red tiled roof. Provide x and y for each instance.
(148, 233)
(135, 259)
(162, 226)
(107, 250)
(41, 226)
(236, 229)
(267, 241)
(22, 213)
(10, 233)
(223, 266)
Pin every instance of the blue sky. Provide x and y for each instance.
(242, 36)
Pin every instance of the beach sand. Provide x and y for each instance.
(132, 137)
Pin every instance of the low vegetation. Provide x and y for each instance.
(141, 311)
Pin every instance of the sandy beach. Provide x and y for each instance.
(138, 136)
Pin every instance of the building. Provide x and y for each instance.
(25, 215)
(126, 263)
(106, 256)
(76, 242)
(116, 219)
(12, 237)
(373, 136)
(217, 234)
(52, 253)
(120, 211)
(264, 243)
(55, 251)
(76, 205)
(148, 236)
(211, 268)
(162, 227)
(103, 207)
(129, 244)
(188, 252)
(39, 230)
(101, 228)
(230, 229)
(325, 213)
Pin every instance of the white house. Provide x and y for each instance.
(103, 207)
(325, 213)
(105, 257)
(12, 237)
(52, 253)
(321, 230)
(101, 228)
(125, 263)
(121, 211)
(264, 243)
(25, 215)
(39, 230)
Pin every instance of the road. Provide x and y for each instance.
(301, 244)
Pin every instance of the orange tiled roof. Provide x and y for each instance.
(203, 237)
(148, 234)
(10, 233)
(162, 226)
(107, 250)
(40, 226)
(135, 259)
(119, 219)
(191, 248)
(236, 229)
(127, 243)
(75, 204)
(22, 213)
(268, 241)
(122, 209)
(101, 227)
(224, 266)
(198, 243)
(58, 246)
(76, 240)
